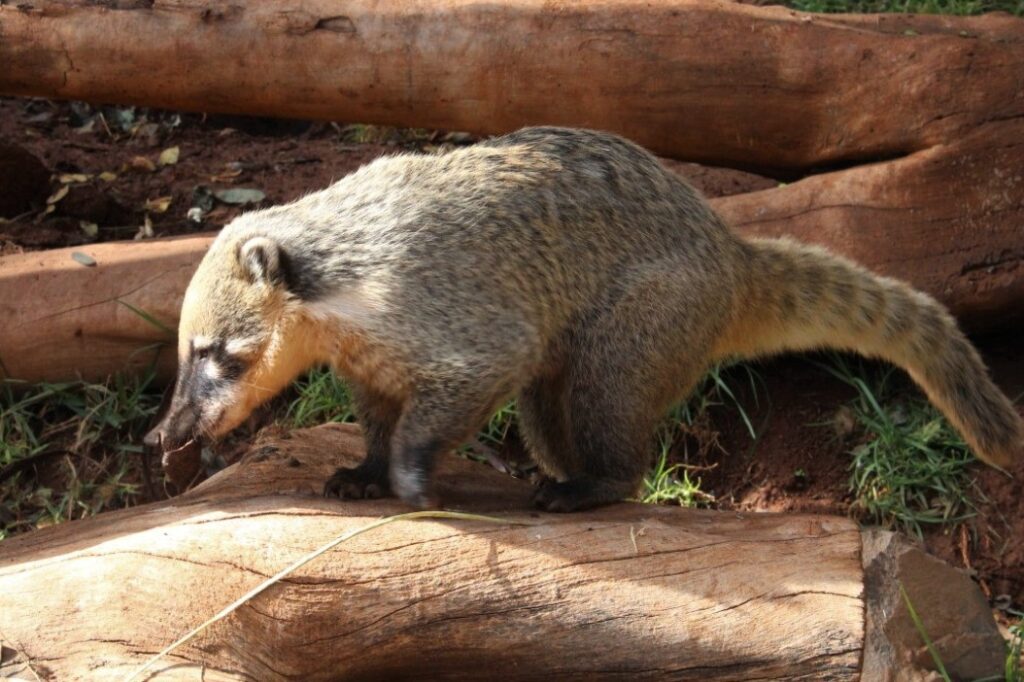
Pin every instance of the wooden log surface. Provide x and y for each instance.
(715, 82)
(948, 220)
(63, 320)
(627, 592)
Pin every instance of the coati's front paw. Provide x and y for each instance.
(355, 484)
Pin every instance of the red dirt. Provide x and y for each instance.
(287, 159)
(797, 415)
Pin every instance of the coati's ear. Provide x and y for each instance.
(261, 259)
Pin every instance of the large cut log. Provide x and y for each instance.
(716, 82)
(903, 218)
(628, 592)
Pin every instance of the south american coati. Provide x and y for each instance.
(564, 267)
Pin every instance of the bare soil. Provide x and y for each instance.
(797, 464)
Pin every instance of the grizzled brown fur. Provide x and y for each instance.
(564, 267)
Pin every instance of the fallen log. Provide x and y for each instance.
(721, 83)
(631, 591)
(903, 218)
(111, 308)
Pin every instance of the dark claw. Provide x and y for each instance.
(562, 497)
(354, 484)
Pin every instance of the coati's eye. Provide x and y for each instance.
(202, 353)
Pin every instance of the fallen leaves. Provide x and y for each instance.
(158, 205)
(239, 196)
(57, 196)
(140, 164)
(169, 156)
(83, 259)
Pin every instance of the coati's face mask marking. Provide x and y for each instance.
(234, 327)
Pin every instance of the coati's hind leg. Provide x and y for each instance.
(377, 416)
(630, 364)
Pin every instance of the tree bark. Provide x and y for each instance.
(719, 83)
(627, 592)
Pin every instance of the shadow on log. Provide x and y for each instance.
(627, 592)
(720, 83)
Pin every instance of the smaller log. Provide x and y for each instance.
(65, 319)
(627, 592)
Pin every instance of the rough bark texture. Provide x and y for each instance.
(628, 592)
(715, 82)
(959, 623)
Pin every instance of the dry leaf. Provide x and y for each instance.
(226, 176)
(239, 196)
(90, 229)
(169, 156)
(107, 176)
(57, 196)
(68, 178)
(83, 258)
(141, 163)
(158, 205)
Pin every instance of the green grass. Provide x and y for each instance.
(321, 396)
(669, 481)
(1013, 671)
(955, 7)
(86, 438)
(911, 468)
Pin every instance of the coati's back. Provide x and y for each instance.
(566, 266)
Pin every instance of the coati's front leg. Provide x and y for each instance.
(437, 419)
(377, 416)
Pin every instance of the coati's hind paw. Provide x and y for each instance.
(569, 496)
(356, 484)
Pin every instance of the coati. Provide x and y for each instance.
(564, 267)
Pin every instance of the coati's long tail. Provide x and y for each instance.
(801, 297)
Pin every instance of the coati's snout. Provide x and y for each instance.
(206, 395)
(238, 341)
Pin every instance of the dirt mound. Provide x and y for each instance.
(24, 181)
